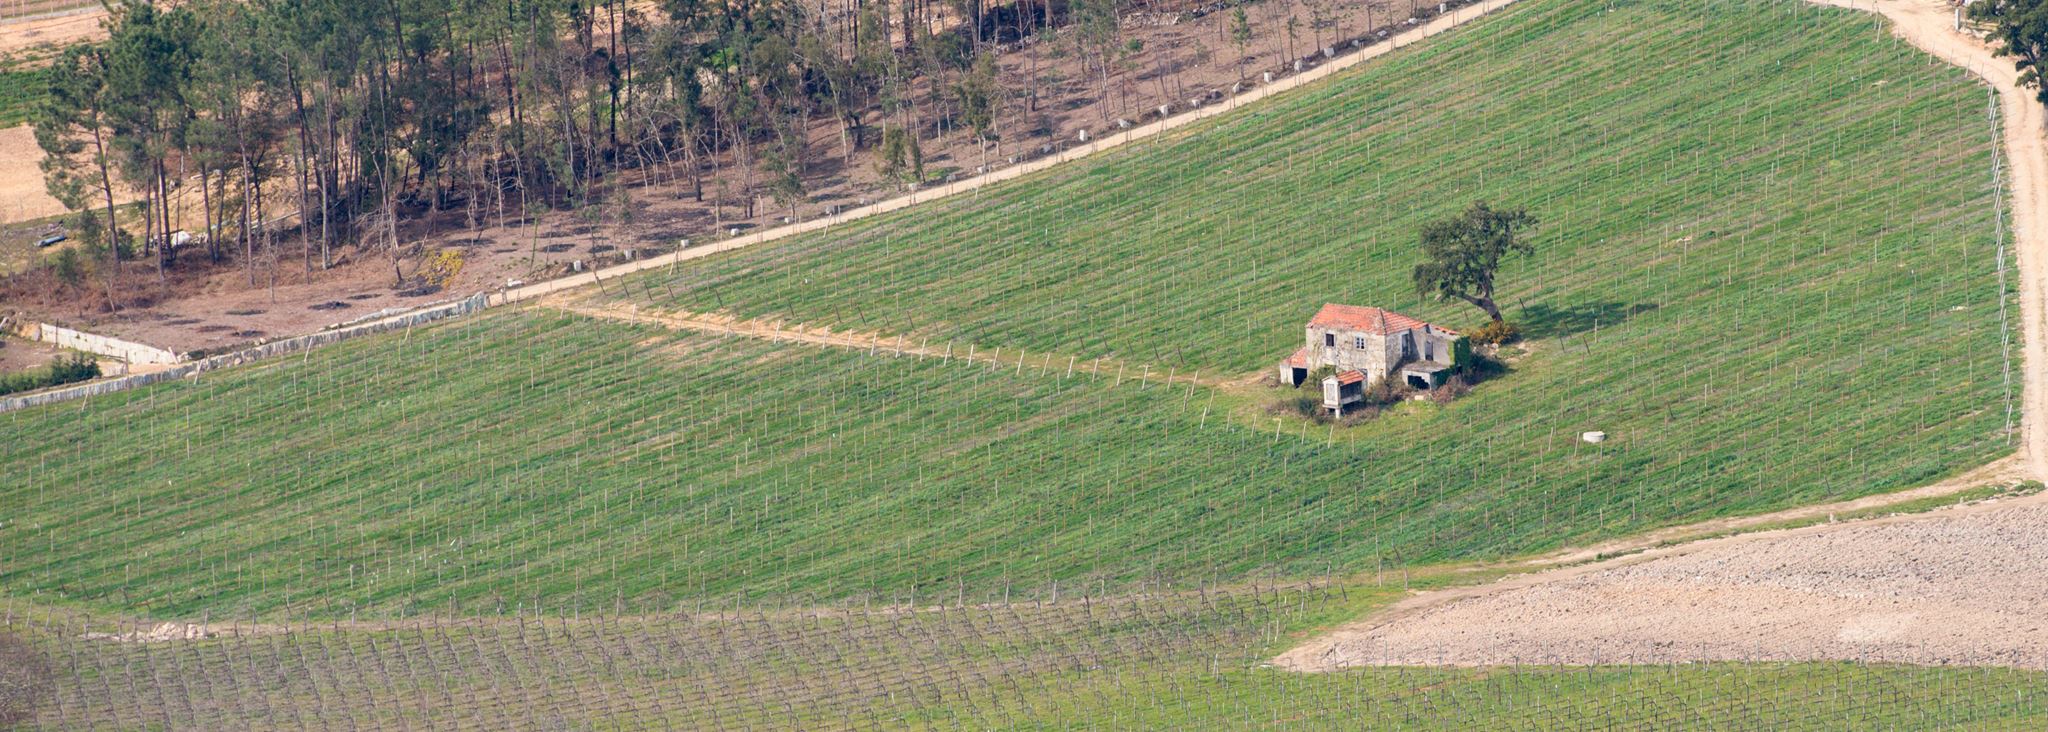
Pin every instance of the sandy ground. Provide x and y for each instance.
(1957, 586)
(49, 30)
(22, 196)
(227, 311)
(1960, 587)
(20, 355)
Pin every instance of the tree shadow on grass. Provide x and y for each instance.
(1544, 321)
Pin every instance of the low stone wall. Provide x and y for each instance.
(257, 353)
(99, 345)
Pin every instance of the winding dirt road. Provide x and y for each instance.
(1956, 586)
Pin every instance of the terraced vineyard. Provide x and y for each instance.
(1180, 661)
(1746, 203)
(599, 464)
(1700, 295)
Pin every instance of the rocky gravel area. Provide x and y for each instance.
(1965, 586)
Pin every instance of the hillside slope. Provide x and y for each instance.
(1737, 233)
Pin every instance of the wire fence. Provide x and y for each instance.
(547, 521)
(30, 9)
(1146, 661)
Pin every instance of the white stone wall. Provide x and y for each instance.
(257, 353)
(132, 352)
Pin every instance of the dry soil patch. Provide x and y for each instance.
(22, 196)
(1962, 587)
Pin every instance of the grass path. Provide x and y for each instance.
(893, 345)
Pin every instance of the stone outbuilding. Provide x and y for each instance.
(1363, 345)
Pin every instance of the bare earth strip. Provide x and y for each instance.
(890, 345)
(1957, 586)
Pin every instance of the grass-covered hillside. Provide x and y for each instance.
(1769, 186)
(1768, 264)
(1768, 271)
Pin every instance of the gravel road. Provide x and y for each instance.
(1963, 587)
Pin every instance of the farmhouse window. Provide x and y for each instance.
(1358, 342)
(1330, 340)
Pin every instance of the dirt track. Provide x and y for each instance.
(1958, 586)
(893, 345)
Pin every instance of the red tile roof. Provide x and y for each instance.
(1299, 359)
(1371, 320)
(1350, 377)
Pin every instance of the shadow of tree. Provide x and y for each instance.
(1544, 321)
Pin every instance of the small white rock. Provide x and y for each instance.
(1594, 437)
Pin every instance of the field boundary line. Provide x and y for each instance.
(252, 354)
(891, 345)
(1447, 21)
(52, 14)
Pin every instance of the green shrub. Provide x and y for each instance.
(1493, 334)
(67, 370)
(68, 266)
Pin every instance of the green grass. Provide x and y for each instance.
(1172, 661)
(20, 89)
(1750, 217)
(587, 462)
(523, 460)
(1769, 267)
(1748, 179)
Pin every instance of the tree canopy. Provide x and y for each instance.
(328, 121)
(1463, 254)
(2021, 29)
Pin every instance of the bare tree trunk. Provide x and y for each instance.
(248, 232)
(160, 217)
(206, 202)
(113, 228)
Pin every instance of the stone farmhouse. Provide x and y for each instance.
(1364, 345)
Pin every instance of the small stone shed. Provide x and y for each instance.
(1367, 344)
